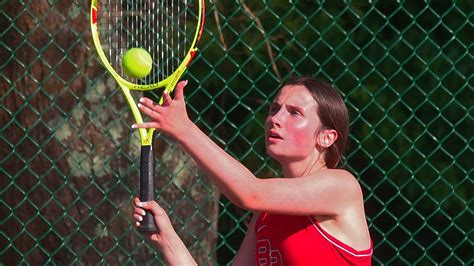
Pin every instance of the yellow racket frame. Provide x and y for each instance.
(169, 83)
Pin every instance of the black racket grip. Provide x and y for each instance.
(147, 188)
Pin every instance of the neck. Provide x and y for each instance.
(303, 168)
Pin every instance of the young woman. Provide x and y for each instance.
(314, 215)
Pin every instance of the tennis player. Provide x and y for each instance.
(313, 215)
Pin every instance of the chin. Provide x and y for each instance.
(272, 153)
(280, 157)
(285, 155)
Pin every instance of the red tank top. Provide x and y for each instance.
(299, 240)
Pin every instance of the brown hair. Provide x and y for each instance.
(331, 111)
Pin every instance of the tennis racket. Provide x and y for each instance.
(169, 31)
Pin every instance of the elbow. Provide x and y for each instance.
(248, 201)
(246, 195)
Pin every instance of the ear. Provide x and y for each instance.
(326, 138)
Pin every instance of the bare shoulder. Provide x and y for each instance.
(344, 180)
(342, 173)
(349, 223)
(340, 176)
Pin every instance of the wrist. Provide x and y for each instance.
(187, 131)
(174, 251)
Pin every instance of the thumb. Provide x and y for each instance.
(179, 92)
(146, 205)
(152, 206)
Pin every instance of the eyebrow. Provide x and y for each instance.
(276, 104)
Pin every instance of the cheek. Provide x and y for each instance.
(303, 134)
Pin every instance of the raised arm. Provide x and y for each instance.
(305, 195)
(171, 118)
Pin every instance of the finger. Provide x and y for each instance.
(148, 102)
(159, 214)
(148, 108)
(179, 92)
(149, 205)
(146, 125)
(166, 98)
(153, 207)
(139, 211)
(138, 217)
(154, 114)
(136, 200)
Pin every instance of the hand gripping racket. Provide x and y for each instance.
(167, 29)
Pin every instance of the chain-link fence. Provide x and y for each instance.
(69, 158)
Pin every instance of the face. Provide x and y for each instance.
(292, 124)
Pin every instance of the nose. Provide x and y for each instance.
(275, 118)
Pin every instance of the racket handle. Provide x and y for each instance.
(147, 188)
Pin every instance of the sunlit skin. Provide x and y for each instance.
(172, 247)
(295, 137)
(291, 130)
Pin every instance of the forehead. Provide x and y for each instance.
(294, 94)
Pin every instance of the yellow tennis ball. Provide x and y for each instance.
(137, 63)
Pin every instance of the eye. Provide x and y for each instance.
(274, 108)
(294, 111)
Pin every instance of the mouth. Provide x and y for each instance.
(272, 135)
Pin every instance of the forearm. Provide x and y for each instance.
(175, 252)
(165, 238)
(246, 253)
(231, 177)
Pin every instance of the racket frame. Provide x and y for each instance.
(169, 83)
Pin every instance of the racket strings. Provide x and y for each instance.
(158, 26)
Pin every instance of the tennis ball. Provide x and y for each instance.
(137, 63)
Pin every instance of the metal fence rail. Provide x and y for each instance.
(68, 158)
